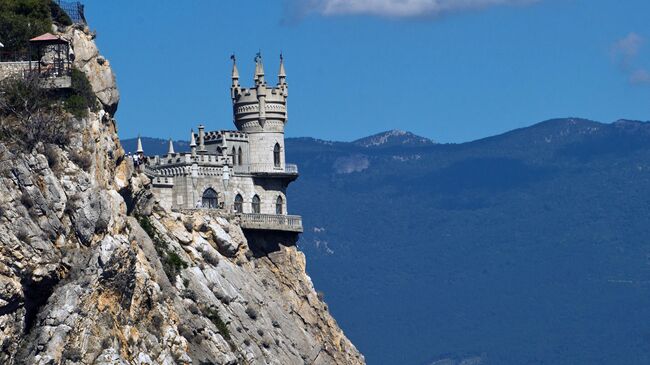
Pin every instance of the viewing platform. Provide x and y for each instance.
(255, 221)
(273, 222)
(289, 170)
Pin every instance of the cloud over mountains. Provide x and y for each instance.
(398, 8)
(625, 52)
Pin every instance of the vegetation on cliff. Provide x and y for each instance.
(21, 20)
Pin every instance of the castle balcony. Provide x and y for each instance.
(289, 171)
(272, 222)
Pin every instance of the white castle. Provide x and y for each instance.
(241, 172)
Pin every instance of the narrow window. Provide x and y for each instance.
(234, 156)
(278, 205)
(209, 199)
(276, 155)
(256, 204)
(240, 156)
(239, 204)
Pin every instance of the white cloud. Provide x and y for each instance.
(401, 8)
(625, 53)
(627, 48)
(640, 76)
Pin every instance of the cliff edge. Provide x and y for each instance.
(94, 271)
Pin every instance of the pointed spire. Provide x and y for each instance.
(170, 151)
(259, 68)
(139, 150)
(282, 73)
(235, 72)
(192, 140)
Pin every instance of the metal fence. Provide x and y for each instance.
(74, 9)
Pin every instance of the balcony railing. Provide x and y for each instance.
(275, 222)
(263, 168)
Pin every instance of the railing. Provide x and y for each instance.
(266, 168)
(277, 222)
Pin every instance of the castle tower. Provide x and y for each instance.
(261, 111)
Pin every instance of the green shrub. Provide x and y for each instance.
(31, 114)
(21, 20)
(213, 316)
(172, 263)
(82, 97)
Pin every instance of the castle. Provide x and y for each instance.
(241, 172)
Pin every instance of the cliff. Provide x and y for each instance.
(94, 271)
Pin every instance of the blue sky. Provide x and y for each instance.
(450, 70)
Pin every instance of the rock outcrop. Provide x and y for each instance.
(93, 271)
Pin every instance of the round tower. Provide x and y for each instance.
(261, 111)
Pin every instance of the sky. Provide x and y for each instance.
(449, 70)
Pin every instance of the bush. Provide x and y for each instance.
(31, 114)
(21, 20)
(211, 258)
(252, 312)
(214, 317)
(82, 97)
(172, 263)
(52, 155)
(81, 160)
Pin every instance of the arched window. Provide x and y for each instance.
(239, 204)
(240, 156)
(234, 156)
(256, 204)
(276, 155)
(209, 199)
(278, 205)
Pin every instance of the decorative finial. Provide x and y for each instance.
(170, 151)
(139, 149)
(233, 58)
(192, 139)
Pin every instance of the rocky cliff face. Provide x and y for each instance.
(93, 271)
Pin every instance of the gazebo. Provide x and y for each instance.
(51, 59)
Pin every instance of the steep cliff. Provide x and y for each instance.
(93, 271)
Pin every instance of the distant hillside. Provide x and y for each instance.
(530, 247)
(393, 138)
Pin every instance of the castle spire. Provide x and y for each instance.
(139, 150)
(170, 151)
(259, 69)
(282, 75)
(235, 72)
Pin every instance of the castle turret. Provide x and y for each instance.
(261, 112)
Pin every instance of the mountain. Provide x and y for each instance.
(392, 138)
(529, 247)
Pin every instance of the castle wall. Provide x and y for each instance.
(188, 191)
